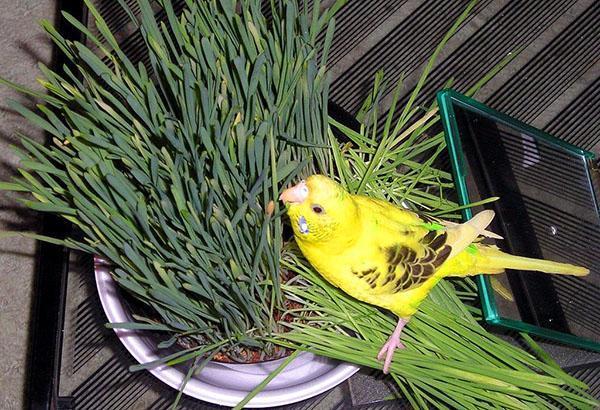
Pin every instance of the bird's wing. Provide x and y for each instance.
(462, 235)
(411, 217)
(403, 264)
(407, 260)
(407, 268)
(450, 224)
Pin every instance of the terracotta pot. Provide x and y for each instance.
(224, 383)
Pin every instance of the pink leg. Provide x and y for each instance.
(390, 346)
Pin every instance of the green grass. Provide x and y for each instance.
(171, 171)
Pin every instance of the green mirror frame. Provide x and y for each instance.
(447, 101)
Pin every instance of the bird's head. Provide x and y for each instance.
(319, 209)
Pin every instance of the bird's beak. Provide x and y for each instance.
(295, 195)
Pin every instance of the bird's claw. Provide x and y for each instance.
(387, 352)
(391, 345)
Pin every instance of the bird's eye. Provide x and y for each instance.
(318, 209)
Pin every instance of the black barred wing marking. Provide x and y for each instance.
(405, 270)
(369, 275)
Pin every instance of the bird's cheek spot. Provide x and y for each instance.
(302, 225)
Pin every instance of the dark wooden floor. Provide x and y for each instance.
(552, 84)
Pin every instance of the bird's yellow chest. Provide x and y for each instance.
(344, 266)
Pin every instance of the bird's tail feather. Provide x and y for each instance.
(462, 235)
(493, 260)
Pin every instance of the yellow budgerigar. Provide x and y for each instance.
(388, 256)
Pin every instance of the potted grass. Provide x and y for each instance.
(171, 172)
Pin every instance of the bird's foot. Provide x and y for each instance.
(387, 352)
(393, 342)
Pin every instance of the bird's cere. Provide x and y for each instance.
(296, 194)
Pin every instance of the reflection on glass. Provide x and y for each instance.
(547, 210)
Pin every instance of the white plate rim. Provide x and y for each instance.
(137, 346)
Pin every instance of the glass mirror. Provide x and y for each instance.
(547, 208)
